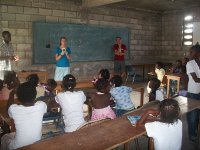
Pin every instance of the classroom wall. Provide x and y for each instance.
(17, 17)
(172, 22)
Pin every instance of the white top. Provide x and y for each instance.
(165, 136)
(28, 123)
(159, 95)
(192, 67)
(160, 74)
(72, 109)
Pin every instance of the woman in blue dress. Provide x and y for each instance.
(63, 57)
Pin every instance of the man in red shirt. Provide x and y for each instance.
(119, 58)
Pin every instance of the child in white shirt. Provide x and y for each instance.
(193, 72)
(167, 130)
(71, 103)
(27, 118)
(160, 72)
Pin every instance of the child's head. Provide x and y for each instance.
(159, 65)
(26, 93)
(104, 73)
(116, 80)
(51, 84)
(1, 84)
(184, 61)
(178, 63)
(169, 111)
(195, 52)
(10, 79)
(102, 85)
(33, 79)
(69, 82)
(154, 84)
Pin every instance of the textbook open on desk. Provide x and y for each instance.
(133, 119)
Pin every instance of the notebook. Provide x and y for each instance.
(133, 119)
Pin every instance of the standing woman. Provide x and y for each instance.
(62, 56)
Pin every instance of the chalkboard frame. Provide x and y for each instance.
(73, 61)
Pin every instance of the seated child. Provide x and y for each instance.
(183, 82)
(101, 101)
(71, 103)
(160, 72)
(34, 80)
(185, 61)
(27, 118)
(121, 95)
(49, 87)
(10, 82)
(154, 92)
(103, 73)
(177, 68)
(166, 130)
(49, 98)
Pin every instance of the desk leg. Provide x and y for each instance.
(178, 85)
(168, 85)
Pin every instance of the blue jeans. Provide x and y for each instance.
(193, 117)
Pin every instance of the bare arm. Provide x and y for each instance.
(11, 98)
(57, 57)
(145, 116)
(68, 56)
(195, 78)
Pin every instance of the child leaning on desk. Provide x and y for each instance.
(166, 128)
(27, 118)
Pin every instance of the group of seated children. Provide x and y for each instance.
(31, 110)
(178, 68)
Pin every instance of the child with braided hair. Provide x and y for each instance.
(166, 130)
(71, 103)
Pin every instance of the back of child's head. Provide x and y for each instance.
(26, 93)
(52, 84)
(104, 73)
(116, 80)
(69, 82)
(33, 79)
(102, 85)
(178, 62)
(10, 79)
(154, 84)
(169, 111)
(159, 64)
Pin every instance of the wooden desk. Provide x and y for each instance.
(43, 75)
(107, 135)
(175, 77)
(148, 66)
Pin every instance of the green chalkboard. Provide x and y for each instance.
(87, 42)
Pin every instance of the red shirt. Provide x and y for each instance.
(122, 51)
